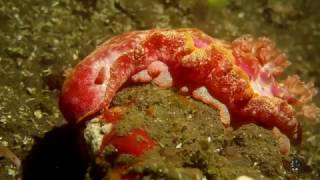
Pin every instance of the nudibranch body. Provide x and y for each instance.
(237, 78)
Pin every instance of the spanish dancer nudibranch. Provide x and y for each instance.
(237, 78)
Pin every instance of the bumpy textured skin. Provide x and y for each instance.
(240, 74)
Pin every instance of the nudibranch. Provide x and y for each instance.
(237, 78)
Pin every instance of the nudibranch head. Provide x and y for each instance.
(86, 87)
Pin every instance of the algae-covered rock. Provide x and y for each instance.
(191, 141)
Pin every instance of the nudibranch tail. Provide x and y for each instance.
(239, 78)
(301, 95)
(278, 101)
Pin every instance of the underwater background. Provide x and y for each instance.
(40, 39)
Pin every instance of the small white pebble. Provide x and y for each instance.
(75, 56)
(161, 145)
(4, 143)
(241, 15)
(106, 128)
(12, 172)
(27, 140)
(311, 138)
(31, 90)
(217, 150)
(184, 89)
(179, 146)
(3, 121)
(243, 177)
(37, 114)
(94, 133)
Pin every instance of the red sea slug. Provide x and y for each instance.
(237, 78)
